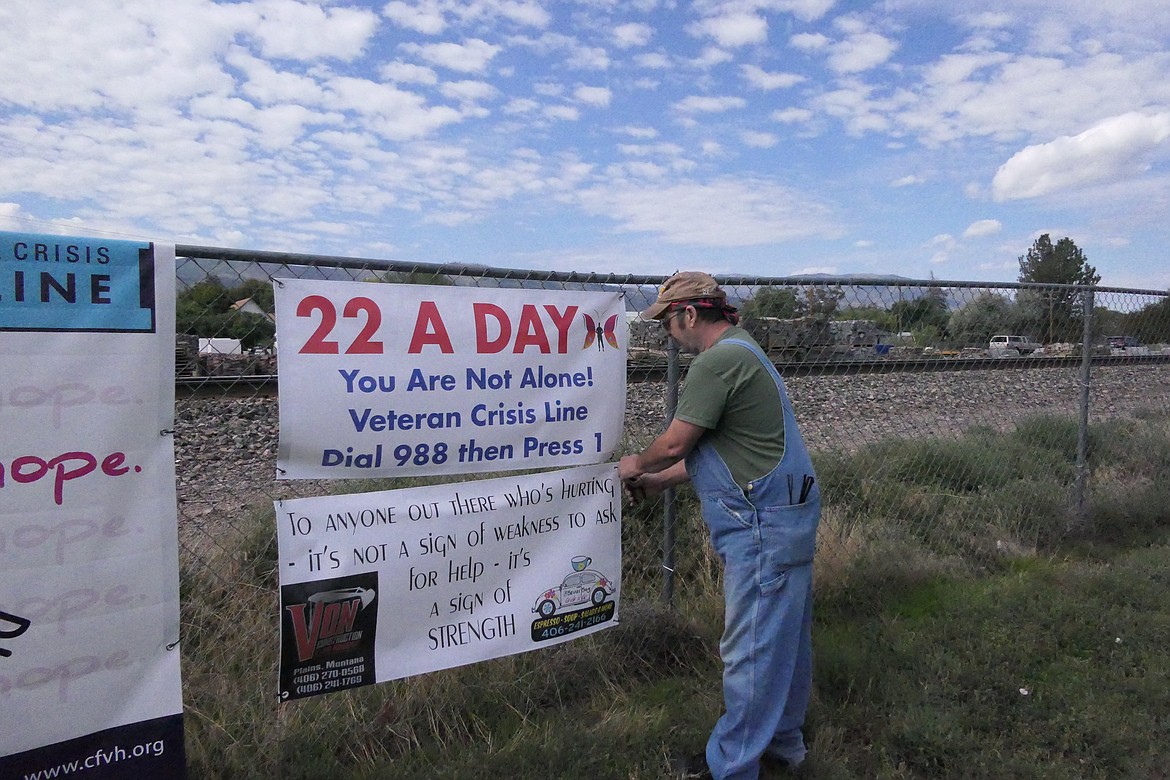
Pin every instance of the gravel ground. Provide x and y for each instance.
(226, 447)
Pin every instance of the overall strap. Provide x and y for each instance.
(759, 353)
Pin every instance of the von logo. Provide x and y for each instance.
(11, 626)
(326, 623)
(327, 634)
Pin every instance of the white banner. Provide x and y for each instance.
(89, 586)
(394, 380)
(379, 586)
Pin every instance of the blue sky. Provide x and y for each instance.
(769, 137)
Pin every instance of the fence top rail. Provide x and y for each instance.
(496, 272)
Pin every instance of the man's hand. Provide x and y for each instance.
(646, 486)
(640, 485)
(631, 475)
(628, 468)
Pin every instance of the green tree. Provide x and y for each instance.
(1151, 324)
(1107, 322)
(880, 317)
(413, 277)
(1056, 310)
(984, 316)
(205, 309)
(259, 290)
(779, 302)
(822, 301)
(928, 311)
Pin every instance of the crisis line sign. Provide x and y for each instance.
(395, 380)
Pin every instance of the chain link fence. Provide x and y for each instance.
(953, 425)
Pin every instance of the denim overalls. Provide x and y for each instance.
(766, 539)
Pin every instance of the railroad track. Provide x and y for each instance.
(644, 371)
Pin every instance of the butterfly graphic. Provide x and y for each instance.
(595, 331)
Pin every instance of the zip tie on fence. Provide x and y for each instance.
(667, 568)
(173, 645)
(279, 470)
(276, 281)
(167, 432)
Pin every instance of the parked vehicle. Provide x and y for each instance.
(1001, 346)
(578, 588)
(1126, 345)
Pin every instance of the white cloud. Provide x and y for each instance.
(569, 50)
(472, 56)
(647, 150)
(531, 14)
(942, 245)
(520, 106)
(759, 140)
(856, 104)
(593, 96)
(565, 113)
(138, 56)
(728, 212)
(426, 18)
(989, 20)
(762, 79)
(1117, 148)
(628, 36)
(391, 112)
(266, 85)
(805, 10)
(652, 61)
(860, 52)
(733, 29)
(638, 132)
(588, 58)
(548, 89)
(983, 228)
(965, 95)
(700, 104)
(469, 91)
(791, 115)
(907, 181)
(809, 41)
(305, 31)
(13, 218)
(408, 73)
(710, 57)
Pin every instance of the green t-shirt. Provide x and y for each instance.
(731, 394)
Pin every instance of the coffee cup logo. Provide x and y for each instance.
(581, 562)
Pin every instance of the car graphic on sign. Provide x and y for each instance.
(580, 587)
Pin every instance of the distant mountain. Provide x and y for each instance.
(861, 290)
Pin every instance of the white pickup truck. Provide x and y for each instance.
(1011, 346)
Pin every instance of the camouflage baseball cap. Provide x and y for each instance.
(684, 286)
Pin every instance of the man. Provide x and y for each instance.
(735, 438)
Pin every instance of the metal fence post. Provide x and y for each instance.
(1083, 423)
(670, 495)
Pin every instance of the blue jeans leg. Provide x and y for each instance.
(767, 668)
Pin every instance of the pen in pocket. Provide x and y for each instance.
(806, 487)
